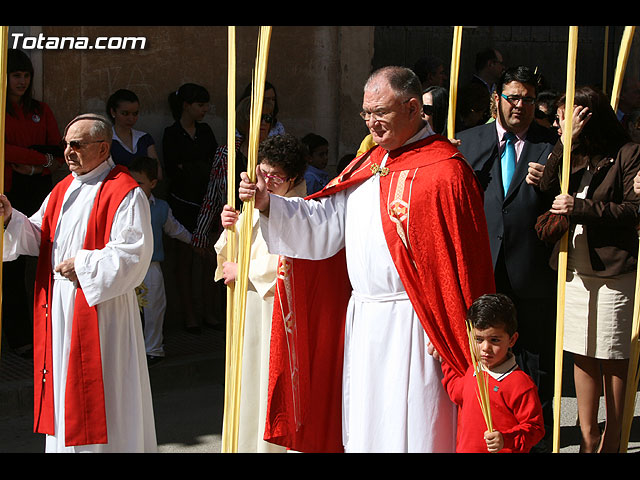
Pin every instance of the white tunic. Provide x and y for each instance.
(108, 278)
(254, 387)
(393, 399)
(256, 340)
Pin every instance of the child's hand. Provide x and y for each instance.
(431, 350)
(494, 440)
(229, 216)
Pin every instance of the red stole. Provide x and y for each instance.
(433, 220)
(85, 417)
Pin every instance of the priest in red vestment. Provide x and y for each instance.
(387, 258)
(94, 241)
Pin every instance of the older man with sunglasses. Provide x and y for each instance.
(508, 156)
(93, 238)
(384, 260)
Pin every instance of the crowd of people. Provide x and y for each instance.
(356, 337)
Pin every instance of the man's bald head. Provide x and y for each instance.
(87, 141)
(403, 81)
(101, 127)
(392, 106)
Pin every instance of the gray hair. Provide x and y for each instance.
(101, 127)
(403, 81)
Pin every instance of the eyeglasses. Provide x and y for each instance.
(275, 179)
(427, 109)
(379, 114)
(514, 99)
(550, 117)
(77, 144)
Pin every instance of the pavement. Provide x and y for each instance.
(188, 391)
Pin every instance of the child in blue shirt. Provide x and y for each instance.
(145, 171)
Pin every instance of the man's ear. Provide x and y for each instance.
(105, 150)
(415, 107)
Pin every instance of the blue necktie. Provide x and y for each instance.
(508, 160)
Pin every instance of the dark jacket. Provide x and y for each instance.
(188, 160)
(610, 209)
(511, 219)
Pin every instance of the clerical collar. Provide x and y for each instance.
(424, 132)
(505, 368)
(101, 170)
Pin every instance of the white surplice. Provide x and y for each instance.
(254, 386)
(393, 398)
(108, 277)
(256, 340)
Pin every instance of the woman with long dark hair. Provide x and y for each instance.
(435, 102)
(602, 212)
(32, 138)
(270, 101)
(32, 154)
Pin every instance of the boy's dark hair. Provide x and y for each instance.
(146, 165)
(313, 141)
(493, 310)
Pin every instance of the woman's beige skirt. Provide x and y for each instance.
(599, 315)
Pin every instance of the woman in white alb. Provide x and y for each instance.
(283, 164)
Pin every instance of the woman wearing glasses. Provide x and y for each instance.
(435, 102)
(208, 226)
(282, 165)
(602, 211)
(32, 154)
(270, 102)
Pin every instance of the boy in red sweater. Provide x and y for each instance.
(515, 407)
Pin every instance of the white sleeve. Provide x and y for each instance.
(307, 229)
(173, 228)
(22, 235)
(122, 264)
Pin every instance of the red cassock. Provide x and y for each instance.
(85, 417)
(434, 224)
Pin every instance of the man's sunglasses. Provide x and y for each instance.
(77, 144)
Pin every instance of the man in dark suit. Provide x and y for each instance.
(489, 67)
(520, 259)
